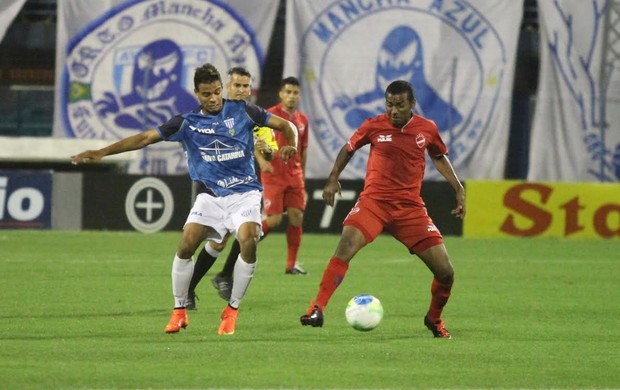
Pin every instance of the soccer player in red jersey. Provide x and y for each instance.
(284, 184)
(391, 200)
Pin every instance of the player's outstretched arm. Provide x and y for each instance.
(133, 142)
(443, 165)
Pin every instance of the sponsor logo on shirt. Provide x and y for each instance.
(234, 181)
(385, 138)
(219, 151)
(202, 130)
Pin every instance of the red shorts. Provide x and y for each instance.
(408, 223)
(277, 198)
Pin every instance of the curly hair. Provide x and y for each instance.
(206, 74)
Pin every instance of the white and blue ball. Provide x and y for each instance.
(364, 312)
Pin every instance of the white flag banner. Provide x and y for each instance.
(8, 11)
(576, 130)
(124, 66)
(458, 55)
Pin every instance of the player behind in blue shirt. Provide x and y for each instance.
(218, 141)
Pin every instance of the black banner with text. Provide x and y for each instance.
(150, 204)
(131, 202)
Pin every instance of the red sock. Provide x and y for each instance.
(265, 228)
(293, 239)
(440, 295)
(332, 277)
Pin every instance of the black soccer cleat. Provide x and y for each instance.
(314, 317)
(437, 328)
(223, 284)
(296, 270)
(190, 304)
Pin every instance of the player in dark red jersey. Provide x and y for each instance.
(391, 200)
(284, 186)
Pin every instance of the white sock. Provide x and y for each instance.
(242, 276)
(182, 270)
(211, 251)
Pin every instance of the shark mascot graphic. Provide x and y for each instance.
(156, 92)
(458, 56)
(131, 69)
(401, 57)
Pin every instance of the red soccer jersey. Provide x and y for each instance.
(292, 171)
(397, 160)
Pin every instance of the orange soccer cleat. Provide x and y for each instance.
(229, 318)
(177, 321)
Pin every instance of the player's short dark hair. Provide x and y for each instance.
(206, 74)
(401, 86)
(240, 70)
(289, 81)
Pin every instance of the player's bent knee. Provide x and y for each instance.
(349, 245)
(445, 275)
(184, 252)
(247, 245)
(273, 221)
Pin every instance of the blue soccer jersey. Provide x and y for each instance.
(219, 148)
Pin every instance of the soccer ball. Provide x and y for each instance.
(364, 312)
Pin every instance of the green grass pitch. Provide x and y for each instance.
(88, 309)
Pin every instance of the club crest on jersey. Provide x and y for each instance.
(126, 73)
(229, 123)
(420, 140)
(402, 50)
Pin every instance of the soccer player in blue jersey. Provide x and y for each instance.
(238, 87)
(218, 140)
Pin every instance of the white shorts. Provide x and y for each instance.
(225, 214)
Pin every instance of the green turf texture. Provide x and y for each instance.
(88, 309)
